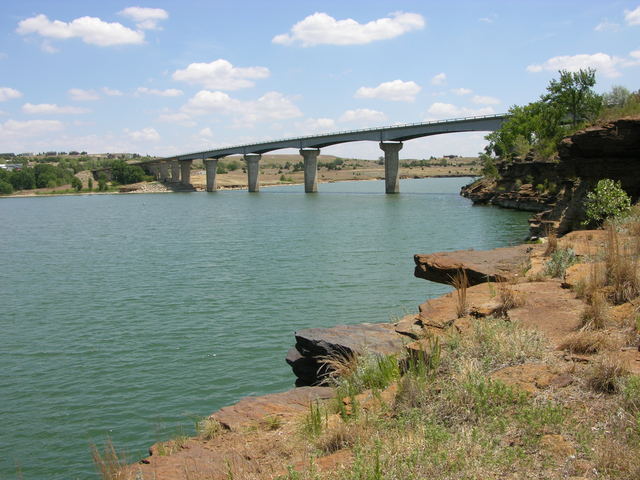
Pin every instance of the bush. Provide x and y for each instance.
(76, 183)
(5, 188)
(607, 200)
(560, 261)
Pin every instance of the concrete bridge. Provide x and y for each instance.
(177, 169)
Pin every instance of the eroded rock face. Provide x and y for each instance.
(497, 265)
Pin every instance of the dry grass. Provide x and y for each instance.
(508, 299)
(460, 282)
(606, 374)
(621, 267)
(596, 314)
(343, 435)
(109, 462)
(587, 342)
(208, 428)
(552, 243)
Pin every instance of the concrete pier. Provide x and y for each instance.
(391, 166)
(310, 158)
(211, 165)
(175, 171)
(164, 171)
(253, 170)
(185, 169)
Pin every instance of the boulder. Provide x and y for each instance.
(496, 265)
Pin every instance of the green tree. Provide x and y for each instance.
(90, 184)
(618, 96)
(573, 93)
(23, 179)
(124, 173)
(76, 183)
(5, 188)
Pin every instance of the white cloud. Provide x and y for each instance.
(52, 109)
(603, 63)
(206, 132)
(461, 91)
(485, 100)
(91, 30)
(311, 126)
(170, 92)
(7, 93)
(635, 54)
(179, 118)
(220, 75)
(148, 134)
(441, 110)
(13, 130)
(363, 115)
(489, 18)
(439, 79)
(397, 91)
(47, 47)
(80, 95)
(111, 92)
(322, 29)
(147, 18)
(270, 106)
(632, 17)
(607, 26)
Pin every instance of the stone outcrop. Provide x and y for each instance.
(556, 190)
(497, 265)
(314, 345)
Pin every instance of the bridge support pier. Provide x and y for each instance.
(253, 170)
(391, 166)
(310, 158)
(185, 170)
(211, 165)
(175, 171)
(164, 171)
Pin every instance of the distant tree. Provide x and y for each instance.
(23, 179)
(573, 93)
(618, 96)
(125, 174)
(102, 183)
(76, 183)
(90, 184)
(5, 188)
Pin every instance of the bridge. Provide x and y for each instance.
(390, 140)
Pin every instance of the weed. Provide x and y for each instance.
(208, 428)
(606, 374)
(596, 314)
(560, 260)
(631, 394)
(109, 462)
(315, 420)
(272, 422)
(460, 282)
(509, 299)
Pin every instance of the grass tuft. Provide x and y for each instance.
(109, 462)
(606, 374)
(587, 342)
(208, 428)
(596, 314)
(460, 282)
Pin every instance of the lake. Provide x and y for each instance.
(131, 316)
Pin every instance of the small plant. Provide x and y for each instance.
(272, 422)
(607, 200)
(552, 243)
(607, 373)
(586, 342)
(621, 268)
(315, 420)
(109, 463)
(208, 428)
(460, 282)
(631, 394)
(509, 299)
(559, 262)
(596, 314)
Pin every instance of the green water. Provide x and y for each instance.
(131, 315)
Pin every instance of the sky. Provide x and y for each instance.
(167, 77)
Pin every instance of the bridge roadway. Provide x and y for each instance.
(390, 140)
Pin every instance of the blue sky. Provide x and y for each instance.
(167, 77)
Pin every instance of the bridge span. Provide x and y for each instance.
(390, 140)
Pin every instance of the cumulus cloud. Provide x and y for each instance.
(146, 18)
(441, 110)
(90, 30)
(363, 115)
(461, 91)
(270, 106)
(397, 91)
(148, 134)
(12, 130)
(52, 109)
(80, 95)
(439, 79)
(7, 93)
(603, 63)
(485, 100)
(323, 29)
(169, 92)
(607, 26)
(206, 132)
(220, 75)
(111, 92)
(632, 17)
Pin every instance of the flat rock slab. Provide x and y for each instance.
(379, 338)
(548, 308)
(497, 265)
(250, 410)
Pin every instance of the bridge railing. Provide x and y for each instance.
(345, 132)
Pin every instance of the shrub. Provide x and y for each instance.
(607, 200)
(76, 183)
(5, 188)
(560, 261)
